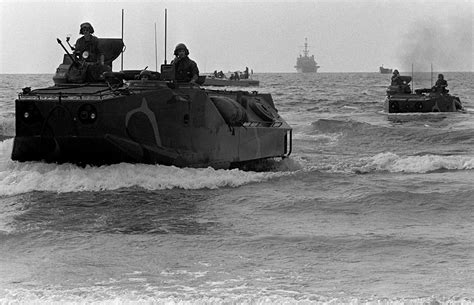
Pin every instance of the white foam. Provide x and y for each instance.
(7, 124)
(185, 295)
(417, 164)
(329, 139)
(22, 177)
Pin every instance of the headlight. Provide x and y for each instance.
(28, 112)
(87, 113)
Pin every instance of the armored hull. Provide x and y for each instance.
(423, 100)
(148, 121)
(222, 82)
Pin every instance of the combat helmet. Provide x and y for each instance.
(181, 46)
(86, 25)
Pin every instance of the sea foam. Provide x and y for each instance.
(416, 164)
(23, 177)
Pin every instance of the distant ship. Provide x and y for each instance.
(385, 70)
(305, 63)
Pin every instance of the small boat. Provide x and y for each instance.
(141, 116)
(385, 70)
(400, 99)
(221, 82)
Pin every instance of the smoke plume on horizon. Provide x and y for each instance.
(448, 46)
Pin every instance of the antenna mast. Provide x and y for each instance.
(156, 52)
(121, 60)
(305, 47)
(431, 75)
(166, 22)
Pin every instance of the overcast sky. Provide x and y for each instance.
(266, 36)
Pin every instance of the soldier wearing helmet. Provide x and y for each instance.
(87, 47)
(91, 64)
(186, 69)
(396, 80)
(441, 84)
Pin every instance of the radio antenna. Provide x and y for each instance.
(431, 75)
(166, 22)
(156, 52)
(121, 60)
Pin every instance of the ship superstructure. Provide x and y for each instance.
(306, 63)
(385, 70)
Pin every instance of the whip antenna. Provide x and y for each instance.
(121, 60)
(156, 52)
(166, 22)
(431, 75)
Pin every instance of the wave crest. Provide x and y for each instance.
(415, 164)
(23, 177)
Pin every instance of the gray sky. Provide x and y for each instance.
(266, 36)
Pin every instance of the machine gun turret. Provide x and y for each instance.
(73, 69)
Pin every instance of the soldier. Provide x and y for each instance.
(87, 47)
(246, 73)
(186, 69)
(396, 80)
(441, 84)
(91, 57)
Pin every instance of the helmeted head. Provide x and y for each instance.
(86, 25)
(440, 76)
(395, 72)
(181, 46)
(145, 74)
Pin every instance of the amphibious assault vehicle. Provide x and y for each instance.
(141, 116)
(400, 99)
(222, 82)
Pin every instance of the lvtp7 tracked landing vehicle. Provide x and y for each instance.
(400, 99)
(132, 116)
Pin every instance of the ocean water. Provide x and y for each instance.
(370, 208)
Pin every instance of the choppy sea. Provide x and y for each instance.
(370, 208)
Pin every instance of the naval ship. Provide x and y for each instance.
(305, 63)
(385, 70)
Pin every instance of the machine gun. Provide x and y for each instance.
(73, 59)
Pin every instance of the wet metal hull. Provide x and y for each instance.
(406, 103)
(148, 122)
(227, 82)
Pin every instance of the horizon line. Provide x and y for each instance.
(286, 72)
